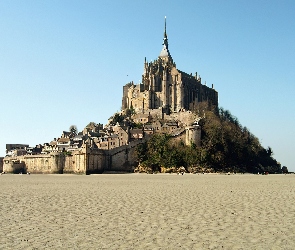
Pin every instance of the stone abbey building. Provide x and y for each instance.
(164, 86)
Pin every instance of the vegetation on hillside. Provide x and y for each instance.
(73, 129)
(121, 118)
(226, 146)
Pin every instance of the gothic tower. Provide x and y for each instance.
(164, 86)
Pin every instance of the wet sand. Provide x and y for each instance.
(140, 211)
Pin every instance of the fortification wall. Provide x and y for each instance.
(95, 161)
(75, 163)
(123, 158)
(185, 117)
(34, 164)
(1, 164)
(180, 136)
(193, 135)
(156, 113)
(86, 161)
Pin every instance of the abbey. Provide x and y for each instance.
(164, 86)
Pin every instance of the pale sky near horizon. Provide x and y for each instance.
(64, 62)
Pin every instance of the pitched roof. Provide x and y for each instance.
(63, 140)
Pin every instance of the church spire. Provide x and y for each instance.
(165, 34)
(165, 40)
(165, 51)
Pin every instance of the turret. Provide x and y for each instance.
(193, 135)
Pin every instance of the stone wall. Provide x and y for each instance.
(95, 161)
(1, 164)
(51, 163)
(75, 163)
(123, 158)
(193, 135)
(85, 161)
(185, 118)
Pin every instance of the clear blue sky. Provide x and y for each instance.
(65, 62)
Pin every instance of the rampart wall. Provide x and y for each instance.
(85, 161)
(123, 158)
(49, 164)
(1, 164)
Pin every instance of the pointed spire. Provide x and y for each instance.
(165, 34)
(165, 51)
(165, 40)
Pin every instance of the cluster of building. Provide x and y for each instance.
(113, 135)
(98, 148)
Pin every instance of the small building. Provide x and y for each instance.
(136, 134)
(141, 118)
(122, 133)
(107, 142)
(66, 134)
(148, 129)
(92, 127)
(169, 127)
(157, 126)
(63, 143)
(113, 141)
(16, 149)
(102, 142)
(76, 142)
(50, 147)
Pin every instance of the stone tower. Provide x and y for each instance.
(193, 135)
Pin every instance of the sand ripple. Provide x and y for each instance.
(139, 211)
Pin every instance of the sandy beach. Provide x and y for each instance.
(140, 211)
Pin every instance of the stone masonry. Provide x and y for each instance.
(164, 86)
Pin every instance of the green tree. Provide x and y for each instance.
(130, 112)
(73, 129)
(285, 170)
(117, 118)
(225, 146)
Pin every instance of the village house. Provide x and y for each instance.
(50, 147)
(63, 143)
(136, 134)
(122, 132)
(141, 118)
(76, 142)
(148, 129)
(102, 142)
(16, 149)
(169, 127)
(157, 126)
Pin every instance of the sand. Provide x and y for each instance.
(140, 211)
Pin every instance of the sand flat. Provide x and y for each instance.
(140, 211)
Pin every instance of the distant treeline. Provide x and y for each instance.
(226, 146)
